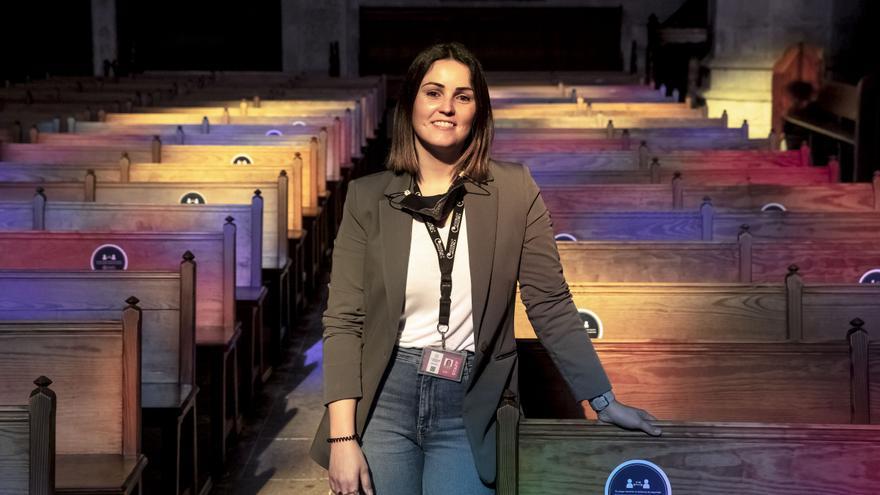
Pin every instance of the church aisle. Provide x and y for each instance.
(272, 455)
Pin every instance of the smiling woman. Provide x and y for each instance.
(418, 331)
(443, 117)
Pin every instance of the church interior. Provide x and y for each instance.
(173, 175)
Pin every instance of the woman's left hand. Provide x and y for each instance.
(626, 417)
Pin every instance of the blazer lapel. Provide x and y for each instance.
(481, 210)
(395, 230)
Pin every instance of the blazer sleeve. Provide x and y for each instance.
(549, 305)
(344, 317)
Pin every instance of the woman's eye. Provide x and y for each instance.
(433, 93)
(464, 98)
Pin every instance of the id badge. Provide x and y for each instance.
(448, 365)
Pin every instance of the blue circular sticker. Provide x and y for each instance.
(565, 237)
(192, 198)
(274, 132)
(773, 207)
(871, 277)
(592, 323)
(638, 477)
(242, 159)
(109, 257)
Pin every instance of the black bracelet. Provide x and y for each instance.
(353, 436)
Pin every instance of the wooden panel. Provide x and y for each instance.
(819, 262)
(156, 218)
(645, 226)
(717, 381)
(825, 310)
(797, 225)
(146, 251)
(650, 262)
(826, 197)
(16, 216)
(163, 193)
(576, 457)
(85, 363)
(15, 449)
(56, 191)
(54, 296)
(737, 312)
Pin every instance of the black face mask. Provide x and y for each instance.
(430, 207)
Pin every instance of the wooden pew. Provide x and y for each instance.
(642, 158)
(660, 175)
(658, 139)
(316, 221)
(168, 304)
(167, 185)
(677, 194)
(97, 382)
(720, 311)
(743, 261)
(217, 345)
(707, 225)
(788, 382)
(549, 457)
(27, 443)
(337, 147)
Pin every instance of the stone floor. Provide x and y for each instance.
(271, 457)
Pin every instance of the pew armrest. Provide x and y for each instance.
(98, 473)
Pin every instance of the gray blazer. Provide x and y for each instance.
(510, 240)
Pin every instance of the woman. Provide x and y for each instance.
(418, 340)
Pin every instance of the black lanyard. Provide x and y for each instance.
(446, 258)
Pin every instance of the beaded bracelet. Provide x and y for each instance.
(348, 438)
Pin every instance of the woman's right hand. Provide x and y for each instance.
(349, 474)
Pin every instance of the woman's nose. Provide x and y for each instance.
(447, 107)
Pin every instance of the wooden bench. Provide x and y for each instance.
(706, 177)
(316, 221)
(658, 139)
(168, 303)
(217, 345)
(720, 311)
(27, 443)
(677, 194)
(787, 382)
(743, 261)
(95, 368)
(549, 457)
(167, 186)
(707, 225)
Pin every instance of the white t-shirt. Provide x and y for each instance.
(418, 324)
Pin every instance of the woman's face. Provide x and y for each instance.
(444, 109)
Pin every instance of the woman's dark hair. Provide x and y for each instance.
(474, 161)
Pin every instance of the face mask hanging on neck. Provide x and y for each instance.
(433, 207)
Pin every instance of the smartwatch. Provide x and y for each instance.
(602, 401)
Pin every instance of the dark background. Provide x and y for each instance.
(533, 38)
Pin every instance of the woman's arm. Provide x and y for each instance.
(344, 317)
(343, 335)
(555, 319)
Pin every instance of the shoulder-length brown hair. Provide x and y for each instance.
(474, 161)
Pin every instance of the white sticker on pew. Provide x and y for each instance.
(242, 159)
(773, 207)
(109, 257)
(298, 123)
(193, 198)
(638, 477)
(871, 277)
(592, 323)
(565, 236)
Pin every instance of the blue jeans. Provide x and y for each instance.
(415, 441)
